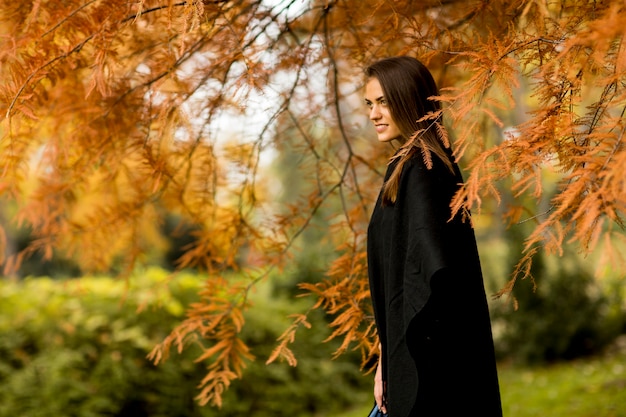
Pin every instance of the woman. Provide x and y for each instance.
(437, 355)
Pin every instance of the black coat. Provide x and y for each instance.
(429, 301)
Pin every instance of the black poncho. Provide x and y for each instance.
(429, 301)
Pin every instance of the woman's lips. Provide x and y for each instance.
(381, 128)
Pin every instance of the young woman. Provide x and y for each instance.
(437, 355)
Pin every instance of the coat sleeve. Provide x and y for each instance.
(430, 237)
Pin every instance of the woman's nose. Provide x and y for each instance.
(374, 113)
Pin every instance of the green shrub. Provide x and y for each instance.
(78, 348)
(567, 316)
(317, 386)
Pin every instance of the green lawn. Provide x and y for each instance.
(583, 388)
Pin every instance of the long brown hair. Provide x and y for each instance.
(408, 87)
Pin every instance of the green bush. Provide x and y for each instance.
(567, 316)
(78, 348)
(317, 386)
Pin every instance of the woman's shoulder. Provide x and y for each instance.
(431, 163)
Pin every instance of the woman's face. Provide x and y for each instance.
(386, 128)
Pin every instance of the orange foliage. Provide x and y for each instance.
(111, 113)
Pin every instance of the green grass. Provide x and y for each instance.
(584, 388)
(594, 387)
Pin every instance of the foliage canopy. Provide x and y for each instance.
(116, 112)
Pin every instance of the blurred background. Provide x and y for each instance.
(162, 160)
(75, 344)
